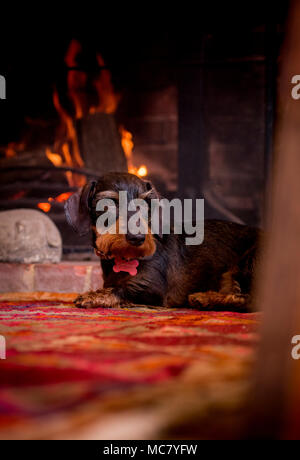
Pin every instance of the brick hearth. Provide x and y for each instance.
(63, 277)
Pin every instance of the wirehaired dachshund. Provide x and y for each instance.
(160, 269)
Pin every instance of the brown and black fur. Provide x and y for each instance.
(216, 274)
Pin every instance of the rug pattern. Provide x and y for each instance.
(65, 367)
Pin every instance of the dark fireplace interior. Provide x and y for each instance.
(192, 111)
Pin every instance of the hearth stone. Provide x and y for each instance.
(65, 277)
(29, 236)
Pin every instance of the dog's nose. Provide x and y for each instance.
(135, 240)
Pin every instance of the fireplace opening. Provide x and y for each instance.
(193, 113)
(85, 140)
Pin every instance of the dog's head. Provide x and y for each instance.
(82, 215)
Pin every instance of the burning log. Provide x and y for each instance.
(100, 143)
(32, 160)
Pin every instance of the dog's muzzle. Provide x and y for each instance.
(135, 240)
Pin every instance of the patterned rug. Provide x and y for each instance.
(122, 374)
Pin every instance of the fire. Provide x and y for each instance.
(128, 145)
(108, 99)
(62, 197)
(66, 150)
(10, 151)
(44, 206)
(13, 148)
(76, 79)
(54, 157)
(59, 199)
(71, 134)
(142, 171)
(65, 157)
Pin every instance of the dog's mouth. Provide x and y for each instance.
(121, 263)
(109, 247)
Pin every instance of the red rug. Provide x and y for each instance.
(68, 368)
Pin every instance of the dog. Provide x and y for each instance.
(160, 269)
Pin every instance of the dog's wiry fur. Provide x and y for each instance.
(216, 274)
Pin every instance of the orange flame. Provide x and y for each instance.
(62, 197)
(76, 83)
(74, 159)
(66, 149)
(142, 171)
(128, 145)
(44, 206)
(54, 157)
(76, 79)
(71, 133)
(13, 148)
(59, 199)
(10, 152)
(108, 99)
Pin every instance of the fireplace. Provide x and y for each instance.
(86, 127)
(193, 113)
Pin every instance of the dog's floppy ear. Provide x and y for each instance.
(77, 208)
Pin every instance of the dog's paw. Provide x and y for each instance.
(215, 301)
(103, 298)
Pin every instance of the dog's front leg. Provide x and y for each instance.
(102, 298)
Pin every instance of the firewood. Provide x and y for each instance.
(100, 143)
(32, 158)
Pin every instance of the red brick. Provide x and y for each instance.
(63, 277)
(16, 277)
(60, 277)
(96, 277)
